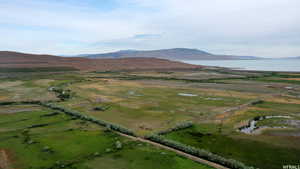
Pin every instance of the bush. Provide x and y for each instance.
(178, 126)
(99, 108)
(61, 93)
(38, 125)
(50, 114)
(7, 103)
(231, 163)
(257, 102)
(78, 115)
(118, 145)
(20, 102)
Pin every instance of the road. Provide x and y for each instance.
(189, 156)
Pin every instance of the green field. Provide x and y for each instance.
(216, 102)
(247, 150)
(72, 143)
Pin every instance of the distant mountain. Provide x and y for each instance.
(171, 54)
(297, 57)
(23, 60)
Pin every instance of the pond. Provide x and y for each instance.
(251, 127)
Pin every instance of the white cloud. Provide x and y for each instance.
(245, 27)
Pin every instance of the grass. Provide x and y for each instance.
(264, 109)
(145, 102)
(276, 122)
(253, 153)
(143, 156)
(41, 69)
(147, 108)
(278, 80)
(25, 91)
(76, 144)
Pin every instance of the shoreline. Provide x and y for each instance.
(261, 65)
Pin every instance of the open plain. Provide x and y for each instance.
(206, 109)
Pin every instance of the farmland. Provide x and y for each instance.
(72, 119)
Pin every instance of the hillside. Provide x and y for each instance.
(172, 54)
(22, 60)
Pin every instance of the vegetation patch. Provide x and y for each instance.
(250, 152)
(40, 69)
(199, 152)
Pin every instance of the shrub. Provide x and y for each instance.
(50, 114)
(61, 93)
(20, 102)
(178, 126)
(38, 125)
(257, 102)
(231, 163)
(78, 115)
(7, 103)
(118, 145)
(99, 108)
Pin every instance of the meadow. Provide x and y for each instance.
(214, 103)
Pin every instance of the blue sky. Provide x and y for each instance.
(268, 28)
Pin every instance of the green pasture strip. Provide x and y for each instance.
(254, 153)
(231, 163)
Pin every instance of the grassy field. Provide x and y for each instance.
(146, 102)
(42, 139)
(147, 108)
(251, 152)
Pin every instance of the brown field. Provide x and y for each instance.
(297, 79)
(21, 60)
(5, 161)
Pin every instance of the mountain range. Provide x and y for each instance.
(10, 59)
(121, 60)
(171, 54)
(297, 57)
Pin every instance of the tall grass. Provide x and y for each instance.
(178, 126)
(230, 163)
(78, 115)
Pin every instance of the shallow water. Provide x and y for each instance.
(187, 94)
(251, 127)
(289, 65)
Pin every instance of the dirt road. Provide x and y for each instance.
(4, 161)
(189, 156)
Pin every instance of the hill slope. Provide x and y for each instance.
(172, 54)
(22, 60)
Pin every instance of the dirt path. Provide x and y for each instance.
(230, 111)
(189, 156)
(4, 161)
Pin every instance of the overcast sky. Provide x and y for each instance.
(268, 28)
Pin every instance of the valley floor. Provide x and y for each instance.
(68, 120)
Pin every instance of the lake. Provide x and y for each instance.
(290, 65)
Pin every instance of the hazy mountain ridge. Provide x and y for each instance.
(297, 57)
(23, 60)
(172, 54)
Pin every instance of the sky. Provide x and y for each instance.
(267, 28)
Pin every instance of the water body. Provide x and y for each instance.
(187, 94)
(251, 127)
(289, 65)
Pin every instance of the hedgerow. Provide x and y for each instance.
(78, 115)
(231, 163)
(20, 102)
(178, 126)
